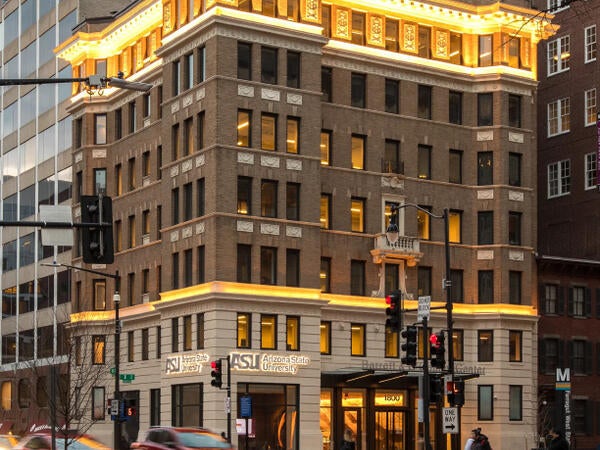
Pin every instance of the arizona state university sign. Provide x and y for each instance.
(268, 362)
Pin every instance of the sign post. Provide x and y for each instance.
(450, 424)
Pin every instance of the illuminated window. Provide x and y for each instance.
(244, 195)
(187, 333)
(325, 211)
(455, 226)
(358, 152)
(423, 224)
(243, 330)
(424, 162)
(485, 345)
(243, 129)
(99, 295)
(559, 55)
(590, 43)
(325, 148)
(424, 42)
(358, 339)
(458, 345)
(268, 128)
(590, 107)
(326, 19)
(325, 338)
(456, 48)
(391, 343)
(292, 326)
(99, 349)
(6, 395)
(130, 346)
(268, 265)
(358, 90)
(485, 51)
(293, 134)
(358, 28)
(357, 215)
(391, 35)
(268, 332)
(100, 129)
(268, 198)
(325, 274)
(514, 52)
(515, 345)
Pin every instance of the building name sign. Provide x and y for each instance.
(183, 364)
(268, 362)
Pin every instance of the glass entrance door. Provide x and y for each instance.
(353, 426)
(389, 430)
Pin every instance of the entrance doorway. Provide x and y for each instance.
(389, 430)
(353, 424)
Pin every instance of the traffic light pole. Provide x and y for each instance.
(425, 386)
(117, 393)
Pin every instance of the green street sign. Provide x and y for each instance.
(113, 370)
(127, 377)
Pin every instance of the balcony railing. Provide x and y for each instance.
(406, 248)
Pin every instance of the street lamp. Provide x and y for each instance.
(392, 234)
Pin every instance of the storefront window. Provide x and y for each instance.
(326, 419)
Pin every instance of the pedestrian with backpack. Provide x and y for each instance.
(558, 441)
(481, 442)
(472, 438)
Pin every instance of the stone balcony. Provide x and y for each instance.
(407, 249)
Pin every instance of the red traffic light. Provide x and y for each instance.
(434, 341)
(215, 365)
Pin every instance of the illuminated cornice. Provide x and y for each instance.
(137, 23)
(432, 63)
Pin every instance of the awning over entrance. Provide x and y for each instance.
(374, 377)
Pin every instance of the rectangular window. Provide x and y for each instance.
(455, 101)
(130, 346)
(268, 198)
(577, 301)
(146, 105)
(325, 148)
(358, 28)
(158, 342)
(325, 339)
(485, 288)
(176, 77)
(559, 55)
(578, 356)
(357, 277)
(590, 113)
(358, 90)
(268, 332)
(515, 346)
(325, 211)
(188, 274)
(458, 344)
(175, 270)
(514, 52)
(591, 170)
(358, 339)
(244, 61)
(424, 42)
(201, 260)
(391, 157)
(131, 234)
(244, 323)
(175, 206)
(455, 166)
(424, 162)
(423, 280)
(559, 178)
(200, 130)
(392, 96)
(485, 168)
(175, 334)
(187, 333)
(327, 84)
(154, 407)
(292, 267)
(357, 215)
(325, 274)
(132, 117)
(485, 227)
(293, 68)
(145, 164)
(424, 223)
(145, 281)
(131, 174)
(514, 110)
(98, 403)
(391, 35)
(268, 131)
(455, 226)
(485, 345)
(515, 403)
(590, 43)
(244, 263)
(559, 116)
(243, 129)
(188, 79)
(514, 169)
(188, 136)
(485, 51)
(292, 201)
(200, 331)
(457, 291)
(244, 195)
(293, 135)
(268, 265)
(485, 402)
(391, 343)
(268, 65)
(358, 152)
(188, 201)
(99, 129)
(424, 102)
(99, 295)
(292, 333)
(145, 343)
(118, 123)
(118, 179)
(514, 228)
(485, 109)
(99, 350)
(175, 142)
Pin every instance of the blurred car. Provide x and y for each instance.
(8, 441)
(75, 442)
(180, 438)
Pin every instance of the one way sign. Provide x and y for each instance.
(450, 421)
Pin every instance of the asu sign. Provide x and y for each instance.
(183, 364)
(268, 362)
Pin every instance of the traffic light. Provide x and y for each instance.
(394, 311)
(97, 242)
(410, 346)
(437, 350)
(435, 389)
(456, 396)
(216, 374)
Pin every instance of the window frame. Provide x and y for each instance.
(268, 332)
(556, 48)
(590, 44)
(358, 339)
(515, 345)
(591, 170)
(358, 90)
(558, 117)
(485, 287)
(590, 104)
(559, 178)
(485, 352)
(243, 330)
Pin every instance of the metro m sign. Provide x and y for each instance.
(563, 379)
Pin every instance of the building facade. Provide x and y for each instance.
(569, 247)
(251, 189)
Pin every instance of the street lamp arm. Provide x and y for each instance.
(83, 269)
(397, 207)
(93, 82)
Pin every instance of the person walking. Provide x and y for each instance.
(348, 442)
(558, 441)
(472, 437)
